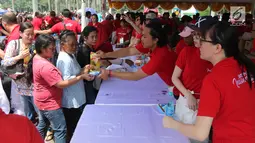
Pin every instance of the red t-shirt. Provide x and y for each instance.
(70, 25)
(97, 25)
(116, 24)
(37, 23)
(181, 44)
(45, 76)
(106, 47)
(18, 129)
(108, 27)
(194, 69)
(14, 35)
(102, 36)
(162, 61)
(52, 20)
(227, 97)
(122, 33)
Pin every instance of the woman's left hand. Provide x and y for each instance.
(86, 69)
(104, 74)
(169, 122)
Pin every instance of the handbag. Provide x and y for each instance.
(11, 71)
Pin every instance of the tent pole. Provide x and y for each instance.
(83, 18)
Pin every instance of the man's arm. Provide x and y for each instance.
(43, 31)
(4, 32)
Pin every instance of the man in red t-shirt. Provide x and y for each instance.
(66, 24)
(123, 33)
(116, 22)
(37, 21)
(18, 129)
(9, 22)
(51, 19)
(108, 25)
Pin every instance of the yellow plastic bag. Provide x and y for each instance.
(95, 62)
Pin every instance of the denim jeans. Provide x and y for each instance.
(29, 107)
(57, 121)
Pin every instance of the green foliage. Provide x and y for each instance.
(24, 5)
(205, 12)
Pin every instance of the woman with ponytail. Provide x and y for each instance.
(228, 93)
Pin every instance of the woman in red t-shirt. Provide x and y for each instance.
(48, 86)
(137, 28)
(187, 77)
(162, 58)
(228, 93)
(122, 34)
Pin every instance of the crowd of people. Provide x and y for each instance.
(46, 60)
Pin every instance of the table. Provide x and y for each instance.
(148, 91)
(124, 124)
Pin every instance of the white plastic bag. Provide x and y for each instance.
(184, 114)
(4, 102)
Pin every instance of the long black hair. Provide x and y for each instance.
(41, 42)
(227, 36)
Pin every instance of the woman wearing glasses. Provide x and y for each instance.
(228, 93)
(187, 77)
(18, 52)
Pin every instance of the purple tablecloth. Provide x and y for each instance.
(150, 91)
(124, 124)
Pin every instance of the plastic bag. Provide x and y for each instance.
(95, 63)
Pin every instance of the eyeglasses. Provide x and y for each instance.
(204, 40)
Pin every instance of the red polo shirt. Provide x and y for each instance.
(108, 27)
(18, 129)
(194, 69)
(37, 23)
(162, 61)
(228, 99)
(116, 24)
(123, 33)
(70, 25)
(14, 35)
(181, 44)
(52, 20)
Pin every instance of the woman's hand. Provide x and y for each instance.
(127, 18)
(86, 69)
(192, 101)
(104, 74)
(100, 54)
(24, 53)
(87, 77)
